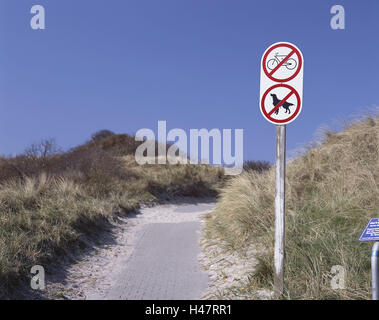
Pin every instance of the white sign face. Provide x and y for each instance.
(281, 89)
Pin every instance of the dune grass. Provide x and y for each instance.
(332, 192)
(50, 203)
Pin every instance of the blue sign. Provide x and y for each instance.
(371, 233)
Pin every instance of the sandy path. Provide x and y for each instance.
(154, 255)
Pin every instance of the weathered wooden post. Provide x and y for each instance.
(281, 94)
(280, 168)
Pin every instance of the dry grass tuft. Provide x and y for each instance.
(50, 199)
(332, 192)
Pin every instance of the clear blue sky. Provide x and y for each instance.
(123, 65)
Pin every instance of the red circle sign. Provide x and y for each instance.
(277, 103)
(276, 63)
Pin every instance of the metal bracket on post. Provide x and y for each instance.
(375, 271)
(279, 252)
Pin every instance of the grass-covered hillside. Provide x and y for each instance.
(50, 199)
(332, 192)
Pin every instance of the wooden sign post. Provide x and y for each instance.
(280, 167)
(280, 103)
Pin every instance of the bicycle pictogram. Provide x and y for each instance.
(290, 63)
(282, 62)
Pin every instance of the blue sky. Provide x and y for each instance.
(123, 65)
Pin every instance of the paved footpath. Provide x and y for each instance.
(164, 261)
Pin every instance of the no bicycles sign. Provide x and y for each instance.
(280, 103)
(281, 87)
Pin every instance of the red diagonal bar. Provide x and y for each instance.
(281, 62)
(280, 103)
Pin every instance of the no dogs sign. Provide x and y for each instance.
(281, 96)
(281, 88)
